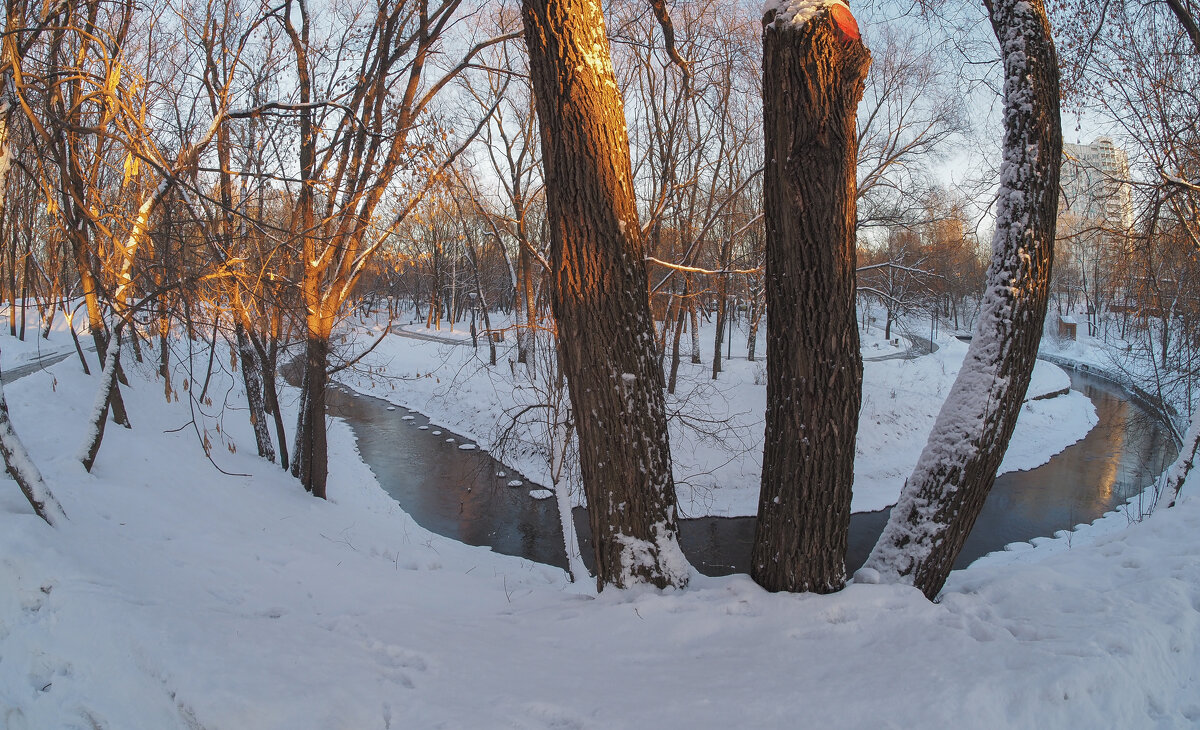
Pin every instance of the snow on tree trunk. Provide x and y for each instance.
(105, 397)
(1178, 472)
(253, 380)
(24, 471)
(599, 286)
(814, 66)
(944, 495)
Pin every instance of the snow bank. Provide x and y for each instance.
(178, 597)
(717, 426)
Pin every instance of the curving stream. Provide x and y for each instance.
(459, 493)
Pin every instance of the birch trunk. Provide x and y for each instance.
(253, 380)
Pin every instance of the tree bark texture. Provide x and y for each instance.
(253, 381)
(813, 74)
(269, 359)
(310, 462)
(957, 469)
(599, 297)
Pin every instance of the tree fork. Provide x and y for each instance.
(814, 67)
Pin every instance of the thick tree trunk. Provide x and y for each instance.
(599, 297)
(310, 462)
(946, 491)
(813, 72)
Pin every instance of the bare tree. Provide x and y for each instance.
(957, 469)
(360, 100)
(17, 461)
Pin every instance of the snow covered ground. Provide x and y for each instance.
(717, 428)
(180, 597)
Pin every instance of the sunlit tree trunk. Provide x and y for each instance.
(599, 297)
(957, 469)
(813, 72)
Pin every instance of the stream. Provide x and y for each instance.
(465, 494)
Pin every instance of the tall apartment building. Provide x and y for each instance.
(1095, 184)
(1095, 215)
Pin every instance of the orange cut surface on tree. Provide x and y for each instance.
(844, 21)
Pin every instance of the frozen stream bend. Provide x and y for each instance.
(465, 494)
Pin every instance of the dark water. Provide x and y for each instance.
(457, 493)
(447, 490)
(45, 361)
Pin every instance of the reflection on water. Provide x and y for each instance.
(457, 493)
(447, 490)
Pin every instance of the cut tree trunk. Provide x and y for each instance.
(599, 297)
(814, 65)
(957, 469)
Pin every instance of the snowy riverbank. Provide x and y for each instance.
(179, 597)
(716, 431)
